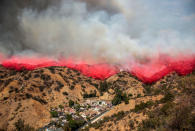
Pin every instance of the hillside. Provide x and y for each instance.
(166, 105)
(30, 95)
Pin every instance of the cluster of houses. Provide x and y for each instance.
(87, 111)
(96, 107)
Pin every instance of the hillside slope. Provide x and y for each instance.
(29, 95)
(167, 105)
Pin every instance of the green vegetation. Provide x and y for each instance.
(75, 124)
(20, 126)
(142, 106)
(42, 101)
(59, 86)
(131, 124)
(54, 114)
(71, 103)
(119, 97)
(167, 98)
(65, 93)
(170, 117)
(83, 86)
(68, 117)
(77, 107)
(173, 115)
(72, 87)
(103, 87)
(164, 110)
(61, 106)
(130, 95)
(115, 117)
(138, 95)
(148, 89)
(92, 94)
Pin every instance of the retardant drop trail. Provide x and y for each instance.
(148, 72)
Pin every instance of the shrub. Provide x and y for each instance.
(41, 88)
(28, 96)
(130, 95)
(167, 98)
(52, 70)
(59, 86)
(61, 106)
(118, 115)
(68, 117)
(83, 86)
(150, 123)
(157, 91)
(143, 105)
(11, 89)
(164, 109)
(131, 124)
(138, 95)
(92, 94)
(5, 98)
(36, 75)
(71, 103)
(75, 124)
(37, 98)
(117, 100)
(65, 93)
(181, 118)
(103, 86)
(148, 89)
(119, 97)
(77, 107)
(7, 82)
(54, 114)
(20, 126)
(45, 77)
(94, 84)
(125, 98)
(72, 87)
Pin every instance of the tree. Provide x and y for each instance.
(69, 117)
(167, 98)
(119, 97)
(54, 113)
(75, 124)
(72, 87)
(61, 106)
(71, 103)
(125, 98)
(117, 100)
(77, 107)
(103, 87)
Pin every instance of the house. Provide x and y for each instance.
(69, 110)
(81, 108)
(83, 114)
(64, 120)
(54, 119)
(62, 117)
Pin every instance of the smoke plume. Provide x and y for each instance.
(101, 31)
(113, 30)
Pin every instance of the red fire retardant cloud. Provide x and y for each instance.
(97, 71)
(155, 69)
(148, 72)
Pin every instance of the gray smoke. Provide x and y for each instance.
(109, 30)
